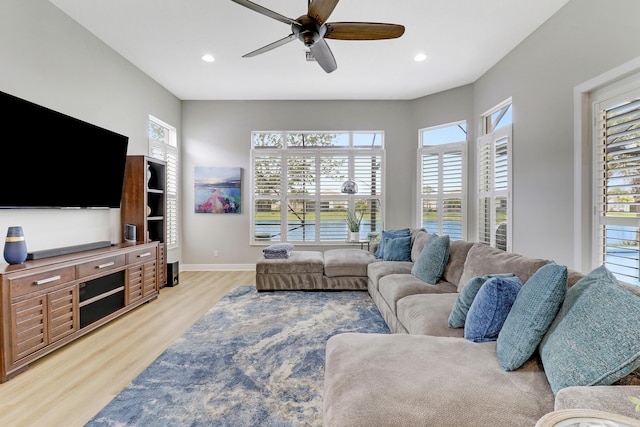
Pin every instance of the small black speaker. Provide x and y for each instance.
(172, 273)
(129, 233)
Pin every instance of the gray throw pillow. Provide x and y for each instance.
(432, 260)
(533, 311)
(595, 338)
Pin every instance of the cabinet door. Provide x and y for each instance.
(62, 312)
(135, 276)
(30, 326)
(150, 278)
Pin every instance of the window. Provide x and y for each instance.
(494, 178)
(297, 179)
(163, 145)
(617, 183)
(442, 175)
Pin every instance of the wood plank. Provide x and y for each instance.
(75, 382)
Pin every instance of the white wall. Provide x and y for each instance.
(47, 58)
(218, 133)
(582, 40)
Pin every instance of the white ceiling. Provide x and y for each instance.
(167, 38)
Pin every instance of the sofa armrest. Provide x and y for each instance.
(614, 398)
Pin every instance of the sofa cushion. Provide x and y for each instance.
(397, 249)
(483, 259)
(377, 270)
(426, 314)
(465, 298)
(458, 251)
(595, 338)
(397, 286)
(490, 308)
(418, 380)
(347, 262)
(390, 233)
(433, 259)
(533, 311)
(419, 238)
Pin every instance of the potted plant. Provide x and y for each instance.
(353, 224)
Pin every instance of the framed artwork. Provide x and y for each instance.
(217, 189)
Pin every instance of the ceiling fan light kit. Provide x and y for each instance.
(312, 29)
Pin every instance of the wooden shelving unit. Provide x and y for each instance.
(144, 204)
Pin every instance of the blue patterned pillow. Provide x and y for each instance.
(390, 233)
(490, 308)
(397, 249)
(465, 299)
(433, 259)
(595, 338)
(533, 311)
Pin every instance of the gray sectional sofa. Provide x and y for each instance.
(427, 374)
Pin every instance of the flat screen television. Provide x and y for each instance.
(52, 160)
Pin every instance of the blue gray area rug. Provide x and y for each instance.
(254, 359)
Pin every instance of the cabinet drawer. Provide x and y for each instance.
(100, 265)
(141, 255)
(35, 282)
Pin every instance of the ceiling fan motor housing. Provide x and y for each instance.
(309, 31)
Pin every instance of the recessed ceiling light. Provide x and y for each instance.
(208, 58)
(420, 57)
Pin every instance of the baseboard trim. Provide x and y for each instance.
(217, 267)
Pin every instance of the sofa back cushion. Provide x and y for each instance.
(458, 251)
(418, 239)
(483, 259)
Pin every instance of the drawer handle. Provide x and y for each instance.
(106, 264)
(47, 280)
(144, 255)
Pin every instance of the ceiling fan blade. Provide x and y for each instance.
(320, 10)
(363, 31)
(267, 12)
(271, 46)
(324, 56)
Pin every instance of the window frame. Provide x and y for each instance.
(169, 153)
(602, 100)
(441, 150)
(321, 197)
(493, 174)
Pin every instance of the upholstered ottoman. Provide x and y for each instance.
(347, 268)
(301, 271)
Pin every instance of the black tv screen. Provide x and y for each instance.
(52, 160)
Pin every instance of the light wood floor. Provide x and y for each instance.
(71, 385)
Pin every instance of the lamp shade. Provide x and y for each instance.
(349, 187)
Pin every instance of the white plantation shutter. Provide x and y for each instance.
(442, 171)
(617, 186)
(166, 149)
(494, 188)
(267, 183)
(297, 186)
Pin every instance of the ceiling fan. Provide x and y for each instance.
(312, 29)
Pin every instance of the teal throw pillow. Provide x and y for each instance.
(490, 308)
(397, 249)
(595, 338)
(465, 299)
(533, 311)
(433, 259)
(390, 233)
